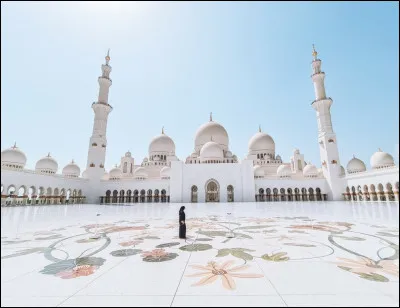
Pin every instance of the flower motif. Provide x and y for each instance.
(213, 270)
(155, 253)
(80, 270)
(318, 227)
(367, 266)
(130, 243)
(259, 220)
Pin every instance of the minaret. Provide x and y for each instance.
(98, 140)
(326, 136)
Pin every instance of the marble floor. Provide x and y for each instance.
(280, 254)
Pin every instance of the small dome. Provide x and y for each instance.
(208, 130)
(71, 170)
(194, 155)
(211, 150)
(165, 172)
(13, 158)
(140, 173)
(84, 174)
(258, 171)
(115, 173)
(128, 154)
(284, 171)
(261, 142)
(342, 171)
(162, 144)
(381, 160)
(228, 154)
(355, 165)
(46, 165)
(145, 160)
(296, 151)
(310, 170)
(105, 176)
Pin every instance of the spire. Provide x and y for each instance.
(379, 150)
(211, 116)
(72, 161)
(162, 130)
(48, 155)
(354, 156)
(314, 53)
(15, 145)
(259, 128)
(108, 56)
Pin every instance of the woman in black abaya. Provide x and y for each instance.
(182, 224)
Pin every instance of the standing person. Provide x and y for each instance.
(182, 224)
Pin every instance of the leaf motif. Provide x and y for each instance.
(167, 245)
(387, 234)
(125, 252)
(278, 257)
(168, 257)
(90, 261)
(55, 268)
(223, 252)
(212, 233)
(149, 237)
(87, 240)
(345, 268)
(203, 239)
(241, 236)
(14, 242)
(196, 247)
(373, 277)
(270, 231)
(242, 255)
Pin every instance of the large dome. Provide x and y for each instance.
(381, 160)
(47, 165)
(71, 170)
(212, 130)
(162, 143)
(211, 150)
(13, 158)
(261, 142)
(355, 165)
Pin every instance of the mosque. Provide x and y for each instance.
(211, 173)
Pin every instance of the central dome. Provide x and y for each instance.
(162, 144)
(211, 150)
(261, 142)
(210, 130)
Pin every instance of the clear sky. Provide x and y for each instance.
(174, 62)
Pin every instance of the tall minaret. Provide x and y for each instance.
(98, 140)
(326, 136)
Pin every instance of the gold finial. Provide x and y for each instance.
(108, 56)
(48, 155)
(210, 116)
(314, 53)
(162, 130)
(15, 145)
(259, 128)
(72, 161)
(379, 150)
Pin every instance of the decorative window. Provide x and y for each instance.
(92, 165)
(334, 162)
(331, 141)
(324, 163)
(103, 145)
(101, 166)
(94, 144)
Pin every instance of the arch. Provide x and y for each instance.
(121, 198)
(318, 194)
(11, 190)
(212, 190)
(275, 193)
(230, 193)
(193, 197)
(108, 196)
(156, 195)
(311, 194)
(282, 194)
(389, 192)
(149, 195)
(297, 194)
(135, 196)
(129, 195)
(115, 196)
(68, 195)
(381, 194)
(163, 195)
(289, 194)
(304, 196)
(359, 193)
(366, 193)
(125, 168)
(21, 191)
(353, 193)
(142, 196)
(268, 194)
(260, 196)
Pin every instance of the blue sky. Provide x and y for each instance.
(173, 63)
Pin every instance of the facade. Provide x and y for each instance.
(211, 173)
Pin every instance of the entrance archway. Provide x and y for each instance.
(212, 191)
